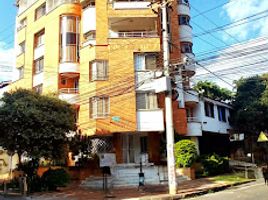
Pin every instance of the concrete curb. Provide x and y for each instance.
(190, 194)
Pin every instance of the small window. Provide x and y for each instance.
(88, 4)
(99, 107)
(144, 144)
(209, 109)
(186, 2)
(21, 48)
(63, 81)
(98, 70)
(22, 24)
(39, 65)
(186, 47)
(38, 89)
(184, 20)
(39, 38)
(40, 11)
(146, 101)
(91, 35)
(21, 72)
(221, 113)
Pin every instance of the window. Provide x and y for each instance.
(184, 20)
(99, 107)
(22, 24)
(39, 65)
(98, 70)
(209, 109)
(63, 81)
(186, 2)
(144, 142)
(39, 38)
(221, 113)
(186, 47)
(147, 101)
(40, 11)
(91, 35)
(69, 39)
(21, 48)
(88, 4)
(38, 89)
(21, 72)
(145, 61)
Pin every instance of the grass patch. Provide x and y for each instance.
(230, 178)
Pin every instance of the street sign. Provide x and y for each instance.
(116, 118)
(262, 137)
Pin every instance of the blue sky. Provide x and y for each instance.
(224, 14)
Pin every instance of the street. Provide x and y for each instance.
(253, 191)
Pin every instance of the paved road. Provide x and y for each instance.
(253, 191)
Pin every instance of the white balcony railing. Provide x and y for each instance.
(136, 34)
(69, 90)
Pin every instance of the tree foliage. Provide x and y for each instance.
(35, 124)
(185, 153)
(251, 105)
(213, 91)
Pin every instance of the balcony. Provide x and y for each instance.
(191, 97)
(69, 68)
(39, 51)
(71, 95)
(135, 34)
(194, 127)
(150, 120)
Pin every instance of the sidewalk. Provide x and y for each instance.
(185, 189)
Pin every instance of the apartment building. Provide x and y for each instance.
(105, 58)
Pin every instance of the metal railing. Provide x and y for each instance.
(69, 90)
(136, 34)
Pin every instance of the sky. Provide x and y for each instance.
(206, 15)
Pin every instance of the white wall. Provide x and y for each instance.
(89, 19)
(212, 124)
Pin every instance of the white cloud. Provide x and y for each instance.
(239, 9)
(240, 60)
(7, 58)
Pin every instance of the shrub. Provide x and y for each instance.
(54, 178)
(214, 164)
(185, 153)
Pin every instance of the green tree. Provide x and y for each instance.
(251, 105)
(213, 91)
(35, 124)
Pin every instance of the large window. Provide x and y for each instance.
(99, 107)
(98, 70)
(69, 39)
(186, 47)
(209, 109)
(39, 38)
(40, 11)
(221, 113)
(146, 101)
(184, 20)
(39, 65)
(145, 61)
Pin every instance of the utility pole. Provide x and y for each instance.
(168, 106)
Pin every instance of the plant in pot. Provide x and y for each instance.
(185, 156)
